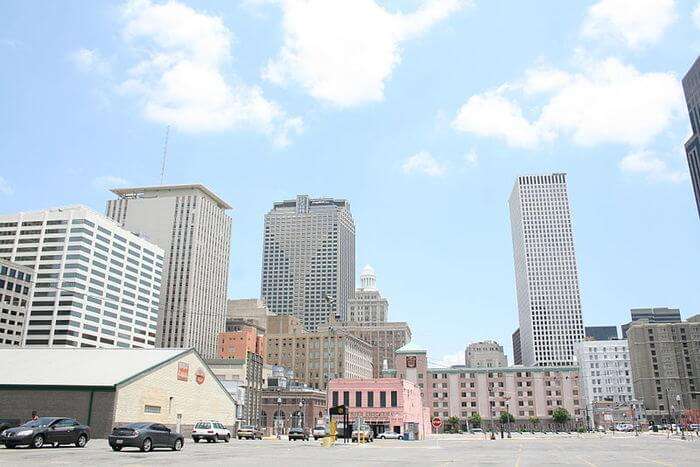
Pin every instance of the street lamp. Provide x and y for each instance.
(679, 401)
(508, 411)
(301, 413)
(277, 419)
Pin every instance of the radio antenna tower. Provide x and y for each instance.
(165, 155)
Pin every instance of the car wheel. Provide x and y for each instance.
(116, 448)
(227, 438)
(82, 441)
(196, 440)
(147, 445)
(10, 446)
(178, 445)
(37, 441)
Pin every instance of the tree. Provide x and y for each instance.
(561, 415)
(452, 425)
(475, 420)
(507, 417)
(535, 421)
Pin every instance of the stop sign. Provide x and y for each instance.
(437, 422)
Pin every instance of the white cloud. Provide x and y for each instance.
(5, 188)
(342, 52)
(696, 15)
(656, 169)
(90, 61)
(635, 22)
(456, 358)
(107, 182)
(603, 102)
(180, 78)
(423, 162)
(471, 159)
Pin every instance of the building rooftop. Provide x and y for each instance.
(144, 191)
(411, 347)
(79, 367)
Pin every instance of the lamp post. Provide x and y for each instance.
(679, 401)
(279, 415)
(301, 413)
(508, 411)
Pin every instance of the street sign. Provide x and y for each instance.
(437, 422)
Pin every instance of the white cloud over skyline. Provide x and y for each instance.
(90, 61)
(648, 163)
(107, 182)
(696, 15)
(5, 188)
(343, 52)
(637, 23)
(424, 163)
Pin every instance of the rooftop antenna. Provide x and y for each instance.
(165, 154)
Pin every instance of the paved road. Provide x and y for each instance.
(521, 451)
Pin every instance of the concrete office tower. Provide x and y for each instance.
(308, 264)
(247, 311)
(691, 88)
(546, 276)
(485, 354)
(665, 362)
(605, 372)
(96, 284)
(652, 315)
(517, 355)
(368, 305)
(191, 224)
(16, 284)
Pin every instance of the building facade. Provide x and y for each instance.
(691, 88)
(665, 362)
(190, 223)
(524, 392)
(317, 356)
(96, 284)
(605, 372)
(15, 296)
(652, 315)
(247, 373)
(385, 404)
(485, 354)
(291, 407)
(384, 337)
(600, 333)
(237, 344)
(517, 354)
(368, 305)
(546, 273)
(247, 311)
(308, 264)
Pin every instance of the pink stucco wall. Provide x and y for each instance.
(408, 404)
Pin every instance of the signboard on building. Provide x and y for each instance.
(183, 371)
(199, 376)
(411, 361)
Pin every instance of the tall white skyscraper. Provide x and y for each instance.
(546, 275)
(191, 224)
(308, 267)
(95, 283)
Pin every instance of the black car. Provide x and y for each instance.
(145, 436)
(6, 423)
(47, 430)
(298, 433)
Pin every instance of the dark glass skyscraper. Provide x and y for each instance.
(691, 88)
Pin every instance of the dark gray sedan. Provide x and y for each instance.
(53, 431)
(145, 436)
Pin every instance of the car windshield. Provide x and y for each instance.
(320, 428)
(296, 430)
(247, 427)
(203, 425)
(39, 422)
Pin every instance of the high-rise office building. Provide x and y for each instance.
(691, 88)
(600, 333)
(485, 354)
(517, 354)
(95, 283)
(368, 305)
(308, 264)
(191, 224)
(15, 296)
(652, 315)
(546, 275)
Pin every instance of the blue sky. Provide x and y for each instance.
(420, 113)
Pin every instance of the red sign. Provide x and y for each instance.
(411, 361)
(183, 371)
(437, 422)
(199, 376)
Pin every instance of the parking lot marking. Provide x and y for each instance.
(656, 461)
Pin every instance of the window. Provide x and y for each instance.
(382, 399)
(151, 409)
(358, 398)
(346, 398)
(370, 399)
(394, 399)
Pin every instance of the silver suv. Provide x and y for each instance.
(211, 430)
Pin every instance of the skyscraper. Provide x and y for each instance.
(691, 88)
(546, 276)
(657, 314)
(308, 264)
(368, 305)
(191, 224)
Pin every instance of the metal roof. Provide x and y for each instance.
(411, 347)
(142, 190)
(79, 367)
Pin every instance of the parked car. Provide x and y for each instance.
(623, 427)
(389, 435)
(477, 430)
(6, 423)
(210, 430)
(319, 432)
(145, 436)
(365, 432)
(694, 426)
(249, 432)
(298, 433)
(46, 430)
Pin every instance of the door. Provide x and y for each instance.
(161, 435)
(61, 432)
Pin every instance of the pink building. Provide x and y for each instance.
(385, 404)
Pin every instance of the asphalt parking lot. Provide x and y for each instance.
(520, 451)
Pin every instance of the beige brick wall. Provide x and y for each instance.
(194, 401)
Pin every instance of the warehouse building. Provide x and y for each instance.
(108, 387)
